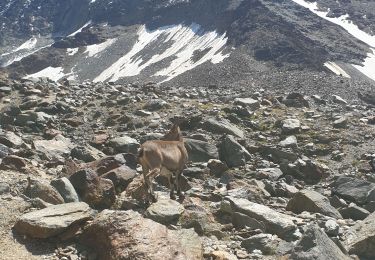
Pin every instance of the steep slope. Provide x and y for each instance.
(175, 42)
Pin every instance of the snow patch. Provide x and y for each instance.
(52, 73)
(336, 69)
(71, 51)
(28, 45)
(94, 49)
(80, 29)
(184, 42)
(368, 67)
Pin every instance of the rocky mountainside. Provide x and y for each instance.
(270, 175)
(191, 43)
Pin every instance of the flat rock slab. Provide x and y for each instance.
(275, 222)
(222, 126)
(124, 144)
(53, 220)
(290, 125)
(360, 239)
(247, 102)
(165, 211)
(127, 235)
(57, 148)
(312, 201)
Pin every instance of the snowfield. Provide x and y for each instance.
(93, 50)
(182, 41)
(52, 73)
(368, 67)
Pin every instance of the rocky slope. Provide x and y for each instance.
(193, 42)
(271, 175)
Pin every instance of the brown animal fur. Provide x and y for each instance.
(167, 157)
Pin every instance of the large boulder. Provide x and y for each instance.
(315, 244)
(232, 152)
(98, 192)
(222, 126)
(127, 235)
(353, 189)
(124, 144)
(360, 239)
(200, 151)
(53, 220)
(312, 201)
(275, 222)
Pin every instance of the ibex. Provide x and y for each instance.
(167, 157)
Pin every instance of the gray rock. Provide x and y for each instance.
(124, 144)
(275, 222)
(353, 189)
(53, 220)
(200, 151)
(66, 189)
(11, 140)
(269, 173)
(290, 141)
(240, 220)
(4, 188)
(222, 126)
(316, 245)
(354, 212)
(34, 117)
(360, 239)
(339, 100)
(55, 149)
(341, 122)
(120, 177)
(279, 154)
(44, 191)
(156, 104)
(165, 211)
(337, 202)
(312, 201)
(247, 102)
(231, 152)
(127, 235)
(4, 151)
(290, 126)
(331, 227)
(86, 153)
(217, 167)
(265, 242)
